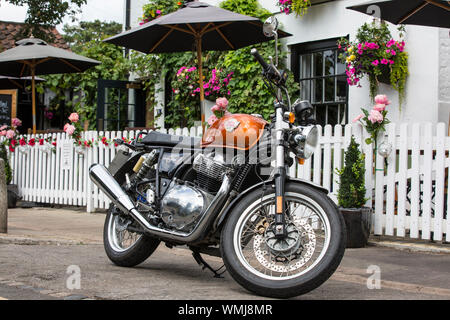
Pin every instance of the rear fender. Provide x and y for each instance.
(241, 195)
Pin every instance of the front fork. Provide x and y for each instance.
(280, 174)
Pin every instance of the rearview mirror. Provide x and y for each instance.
(270, 27)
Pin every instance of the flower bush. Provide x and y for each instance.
(300, 7)
(157, 8)
(375, 53)
(10, 133)
(374, 120)
(74, 130)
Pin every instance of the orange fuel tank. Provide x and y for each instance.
(237, 131)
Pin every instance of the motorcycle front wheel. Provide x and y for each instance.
(288, 267)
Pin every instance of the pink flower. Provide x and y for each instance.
(215, 108)
(222, 103)
(384, 61)
(212, 120)
(16, 122)
(3, 133)
(375, 116)
(382, 99)
(74, 117)
(10, 134)
(65, 126)
(70, 129)
(379, 107)
(3, 127)
(358, 118)
(375, 62)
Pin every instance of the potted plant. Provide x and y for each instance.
(378, 56)
(351, 197)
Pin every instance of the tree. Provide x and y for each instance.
(352, 189)
(86, 40)
(43, 16)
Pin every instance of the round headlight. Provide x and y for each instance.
(311, 141)
(307, 142)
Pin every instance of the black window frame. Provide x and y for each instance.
(314, 47)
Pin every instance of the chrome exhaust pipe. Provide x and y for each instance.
(106, 182)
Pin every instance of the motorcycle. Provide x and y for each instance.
(229, 195)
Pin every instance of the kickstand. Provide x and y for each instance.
(202, 263)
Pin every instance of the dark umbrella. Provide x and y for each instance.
(15, 82)
(197, 25)
(434, 13)
(34, 56)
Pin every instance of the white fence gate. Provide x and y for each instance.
(408, 190)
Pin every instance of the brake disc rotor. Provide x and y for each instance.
(266, 248)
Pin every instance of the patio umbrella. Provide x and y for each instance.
(34, 56)
(15, 82)
(198, 26)
(434, 13)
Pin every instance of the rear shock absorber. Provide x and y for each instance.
(144, 164)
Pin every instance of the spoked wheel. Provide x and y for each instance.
(295, 264)
(124, 247)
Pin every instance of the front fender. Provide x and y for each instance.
(258, 185)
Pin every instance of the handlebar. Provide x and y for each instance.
(260, 59)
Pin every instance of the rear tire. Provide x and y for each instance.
(238, 235)
(143, 247)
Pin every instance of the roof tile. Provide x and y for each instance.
(9, 31)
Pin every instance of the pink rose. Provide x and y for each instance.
(69, 129)
(16, 122)
(358, 118)
(10, 134)
(74, 117)
(215, 108)
(212, 120)
(379, 107)
(3, 127)
(382, 99)
(375, 116)
(3, 133)
(222, 103)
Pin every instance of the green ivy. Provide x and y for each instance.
(4, 156)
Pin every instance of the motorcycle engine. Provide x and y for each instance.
(185, 202)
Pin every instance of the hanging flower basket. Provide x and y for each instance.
(378, 56)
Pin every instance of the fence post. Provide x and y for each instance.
(3, 199)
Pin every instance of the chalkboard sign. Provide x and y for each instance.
(8, 103)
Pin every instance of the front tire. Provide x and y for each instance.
(293, 266)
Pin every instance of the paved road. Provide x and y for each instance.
(40, 272)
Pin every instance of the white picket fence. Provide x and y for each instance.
(409, 194)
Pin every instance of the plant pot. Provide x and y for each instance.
(385, 76)
(358, 222)
(13, 195)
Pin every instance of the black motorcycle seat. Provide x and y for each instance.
(155, 138)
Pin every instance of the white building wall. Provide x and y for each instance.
(427, 89)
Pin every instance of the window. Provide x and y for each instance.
(322, 80)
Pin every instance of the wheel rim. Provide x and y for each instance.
(308, 231)
(119, 238)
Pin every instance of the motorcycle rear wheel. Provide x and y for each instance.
(283, 268)
(123, 253)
